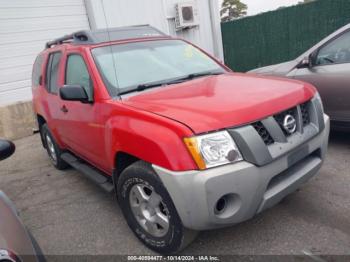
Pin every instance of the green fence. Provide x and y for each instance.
(281, 35)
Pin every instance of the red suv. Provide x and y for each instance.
(186, 144)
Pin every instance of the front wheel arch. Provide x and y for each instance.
(122, 161)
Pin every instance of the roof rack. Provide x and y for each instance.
(107, 35)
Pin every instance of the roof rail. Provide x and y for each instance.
(107, 35)
(80, 36)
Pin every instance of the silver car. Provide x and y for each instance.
(16, 242)
(326, 66)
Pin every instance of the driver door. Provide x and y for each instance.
(330, 74)
(82, 127)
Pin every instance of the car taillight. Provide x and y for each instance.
(8, 256)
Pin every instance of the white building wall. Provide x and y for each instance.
(25, 26)
(160, 14)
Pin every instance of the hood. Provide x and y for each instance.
(216, 102)
(278, 70)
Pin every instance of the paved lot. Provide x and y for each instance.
(70, 215)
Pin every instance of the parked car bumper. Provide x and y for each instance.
(247, 189)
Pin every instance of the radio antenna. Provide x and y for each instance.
(110, 47)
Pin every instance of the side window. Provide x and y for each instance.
(78, 74)
(335, 52)
(36, 74)
(52, 72)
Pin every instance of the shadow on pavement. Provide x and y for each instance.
(339, 137)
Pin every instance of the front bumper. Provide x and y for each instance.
(248, 189)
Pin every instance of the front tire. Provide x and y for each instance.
(149, 210)
(53, 150)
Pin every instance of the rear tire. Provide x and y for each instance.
(149, 210)
(53, 150)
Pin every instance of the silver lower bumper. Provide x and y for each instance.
(248, 189)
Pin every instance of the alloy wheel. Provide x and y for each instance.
(149, 210)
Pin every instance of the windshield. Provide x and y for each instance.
(124, 67)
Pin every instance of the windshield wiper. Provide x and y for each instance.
(193, 76)
(143, 87)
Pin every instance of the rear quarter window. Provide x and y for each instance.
(37, 74)
(52, 72)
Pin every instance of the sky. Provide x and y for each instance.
(258, 6)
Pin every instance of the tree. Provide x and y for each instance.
(232, 9)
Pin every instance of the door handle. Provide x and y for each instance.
(64, 109)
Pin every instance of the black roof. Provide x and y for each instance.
(107, 35)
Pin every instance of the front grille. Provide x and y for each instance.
(280, 118)
(305, 117)
(262, 131)
(305, 113)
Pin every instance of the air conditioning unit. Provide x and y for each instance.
(186, 15)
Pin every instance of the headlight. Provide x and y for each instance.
(213, 149)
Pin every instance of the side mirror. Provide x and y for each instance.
(7, 148)
(74, 93)
(309, 61)
(305, 63)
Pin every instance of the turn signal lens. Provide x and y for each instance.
(192, 146)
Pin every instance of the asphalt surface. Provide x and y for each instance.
(68, 215)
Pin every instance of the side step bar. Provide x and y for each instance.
(90, 172)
